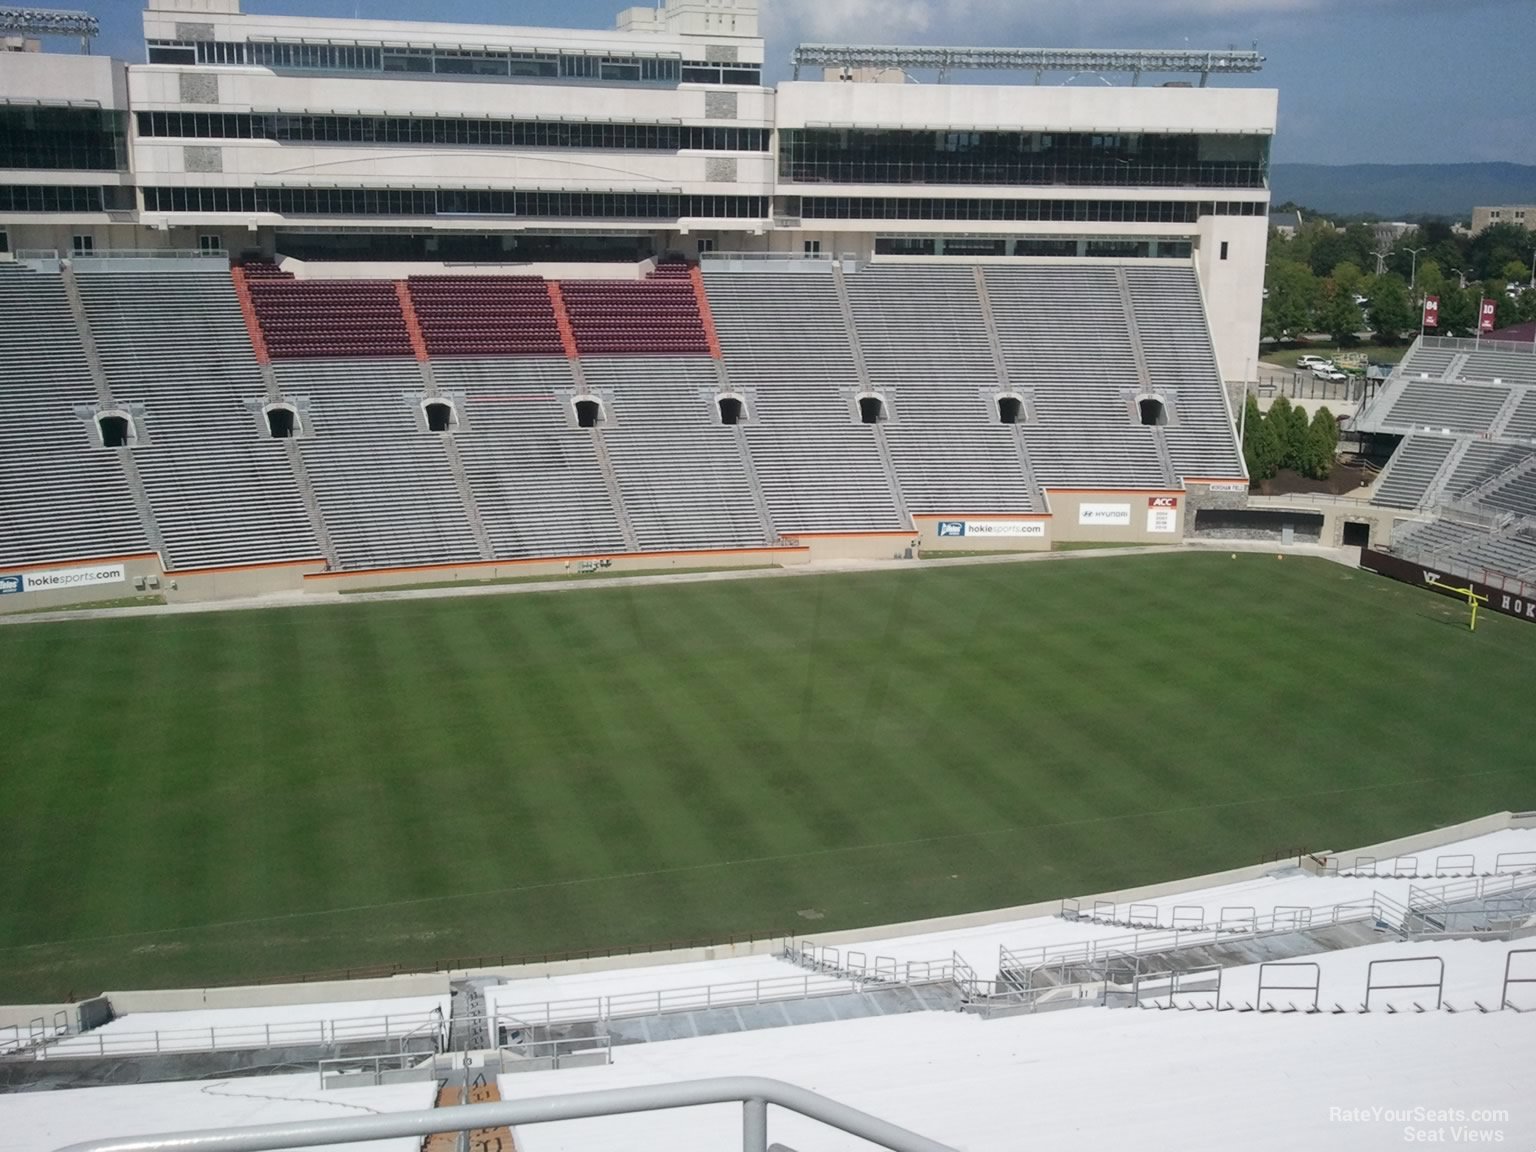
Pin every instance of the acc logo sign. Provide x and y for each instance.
(1162, 501)
(951, 528)
(9, 584)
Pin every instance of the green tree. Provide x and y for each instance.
(1261, 447)
(1431, 279)
(1458, 310)
(1515, 272)
(1322, 445)
(1348, 277)
(1293, 438)
(1293, 292)
(1391, 309)
(1508, 307)
(1337, 313)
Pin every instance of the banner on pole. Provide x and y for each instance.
(1486, 314)
(1431, 311)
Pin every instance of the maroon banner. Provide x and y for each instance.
(1487, 313)
(1431, 311)
(1426, 576)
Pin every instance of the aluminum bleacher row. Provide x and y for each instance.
(923, 338)
(1181, 363)
(174, 346)
(786, 348)
(1065, 336)
(365, 482)
(59, 496)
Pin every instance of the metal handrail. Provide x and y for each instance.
(665, 1000)
(152, 254)
(754, 1093)
(229, 1037)
(778, 257)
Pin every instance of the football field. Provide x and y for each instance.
(247, 795)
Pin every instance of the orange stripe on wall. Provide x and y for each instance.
(243, 567)
(697, 276)
(341, 572)
(562, 319)
(412, 325)
(47, 564)
(248, 310)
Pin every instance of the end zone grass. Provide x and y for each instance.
(225, 797)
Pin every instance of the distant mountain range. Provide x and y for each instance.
(1392, 191)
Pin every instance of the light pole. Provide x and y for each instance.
(1463, 276)
(1413, 276)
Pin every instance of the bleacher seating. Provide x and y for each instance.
(1510, 553)
(925, 348)
(1522, 422)
(1436, 538)
(680, 470)
(480, 316)
(657, 316)
(1180, 358)
(1481, 462)
(1510, 367)
(176, 351)
(1517, 494)
(383, 483)
(1452, 407)
(329, 319)
(1412, 470)
(62, 497)
(1064, 336)
(783, 340)
(222, 492)
(1427, 363)
(535, 477)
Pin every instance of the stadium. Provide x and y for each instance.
(556, 593)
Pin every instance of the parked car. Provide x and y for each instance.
(1314, 362)
(1326, 371)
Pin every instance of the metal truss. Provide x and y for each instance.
(47, 22)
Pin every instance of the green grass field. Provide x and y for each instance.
(231, 796)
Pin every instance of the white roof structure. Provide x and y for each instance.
(1089, 1079)
(43, 1121)
(1424, 1039)
(212, 1029)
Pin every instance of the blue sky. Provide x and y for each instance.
(1361, 81)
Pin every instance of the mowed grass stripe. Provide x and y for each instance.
(223, 797)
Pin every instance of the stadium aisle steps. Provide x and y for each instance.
(412, 324)
(481, 1139)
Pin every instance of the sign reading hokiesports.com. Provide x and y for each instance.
(55, 578)
(982, 529)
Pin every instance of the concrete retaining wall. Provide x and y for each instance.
(266, 995)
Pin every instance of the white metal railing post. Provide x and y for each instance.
(754, 1125)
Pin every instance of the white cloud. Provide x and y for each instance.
(1039, 22)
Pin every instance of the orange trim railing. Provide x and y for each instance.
(705, 315)
(248, 310)
(412, 325)
(562, 319)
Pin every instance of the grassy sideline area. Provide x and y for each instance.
(243, 795)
